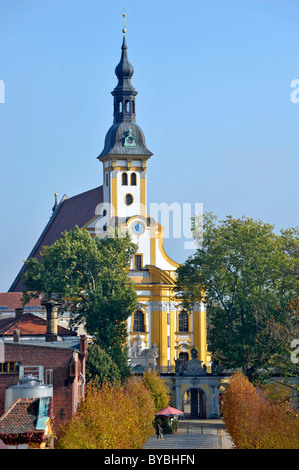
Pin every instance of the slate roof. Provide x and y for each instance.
(20, 417)
(77, 210)
(29, 325)
(114, 142)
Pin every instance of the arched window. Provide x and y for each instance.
(133, 107)
(184, 357)
(133, 179)
(183, 321)
(129, 199)
(124, 179)
(127, 106)
(138, 324)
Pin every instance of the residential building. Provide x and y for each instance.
(28, 424)
(60, 364)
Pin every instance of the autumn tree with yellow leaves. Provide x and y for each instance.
(254, 421)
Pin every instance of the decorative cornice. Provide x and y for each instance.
(161, 306)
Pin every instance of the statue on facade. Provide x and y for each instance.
(142, 358)
(155, 351)
(136, 349)
(178, 366)
(215, 367)
(192, 367)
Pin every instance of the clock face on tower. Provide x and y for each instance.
(138, 228)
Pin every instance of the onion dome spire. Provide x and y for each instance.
(124, 138)
(124, 93)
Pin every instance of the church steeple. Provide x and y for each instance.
(124, 138)
(124, 93)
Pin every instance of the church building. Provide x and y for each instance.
(161, 334)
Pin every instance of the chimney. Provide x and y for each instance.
(83, 345)
(16, 336)
(51, 334)
(19, 312)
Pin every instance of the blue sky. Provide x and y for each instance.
(214, 104)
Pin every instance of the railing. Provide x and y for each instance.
(171, 369)
(38, 372)
(32, 371)
(165, 369)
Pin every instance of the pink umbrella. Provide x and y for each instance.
(169, 411)
(2, 445)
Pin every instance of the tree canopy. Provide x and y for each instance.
(100, 368)
(91, 276)
(158, 389)
(248, 277)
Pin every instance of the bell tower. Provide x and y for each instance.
(125, 154)
(158, 324)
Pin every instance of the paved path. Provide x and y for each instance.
(199, 434)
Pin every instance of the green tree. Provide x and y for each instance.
(246, 274)
(91, 276)
(100, 367)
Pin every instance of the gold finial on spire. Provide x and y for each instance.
(55, 204)
(124, 22)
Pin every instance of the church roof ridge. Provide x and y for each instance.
(67, 215)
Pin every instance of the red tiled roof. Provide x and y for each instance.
(20, 417)
(29, 325)
(77, 210)
(12, 300)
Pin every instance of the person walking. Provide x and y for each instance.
(159, 431)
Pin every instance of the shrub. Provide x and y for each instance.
(255, 422)
(167, 429)
(169, 426)
(153, 381)
(112, 417)
(143, 405)
(175, 425)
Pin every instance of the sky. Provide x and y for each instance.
(214, 101)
